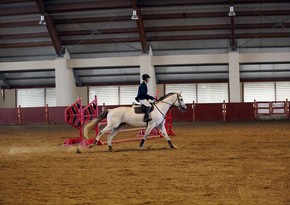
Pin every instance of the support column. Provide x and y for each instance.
(9, 98)
(66, 91)
(234, 77)
(147, 67)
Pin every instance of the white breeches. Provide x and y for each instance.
(145, 102)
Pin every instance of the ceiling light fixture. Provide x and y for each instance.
(232, 12)
(134, 16)
(42, 21)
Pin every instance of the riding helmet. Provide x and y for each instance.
(145, 76)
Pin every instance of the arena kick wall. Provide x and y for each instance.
(195, 113)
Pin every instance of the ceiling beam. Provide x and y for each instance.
(24, 35)
(149, 17)
(140, 26)
(31, 78)
(172, 16)
(215, 14)
(154, 3)
(18, 24)
(98, 5)
(264, 35)
(218, 36)
(107, 75)
(92, 19)
(103, 40)
(177, 28)
(148, 29)
(183, 37)
(27, 44)
(153, 38)
(15, 1)
(50, 27)
(102, 31)
(19, 10)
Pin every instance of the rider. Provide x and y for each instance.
(143, 97)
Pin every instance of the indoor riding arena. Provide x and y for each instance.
(73, 77)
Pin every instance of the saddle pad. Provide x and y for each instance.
(141, 110)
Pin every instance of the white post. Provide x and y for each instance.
(147, 67)
(234, 77)
(66, 91)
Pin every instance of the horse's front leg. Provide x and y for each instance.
(162, 129)
(146, 134)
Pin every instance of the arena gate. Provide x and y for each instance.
(271, 110)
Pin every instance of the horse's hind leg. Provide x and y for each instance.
(113, 133)
(103, 131)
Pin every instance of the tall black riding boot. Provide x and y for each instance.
(146, 116)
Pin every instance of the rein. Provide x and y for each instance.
(164, 116)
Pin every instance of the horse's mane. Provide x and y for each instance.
(165, 96)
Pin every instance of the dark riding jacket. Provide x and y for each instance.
(142, 93)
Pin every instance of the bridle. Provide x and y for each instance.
(173, 104)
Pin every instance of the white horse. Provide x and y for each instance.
(118, 117)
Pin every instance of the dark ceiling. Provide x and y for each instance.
(103, 28)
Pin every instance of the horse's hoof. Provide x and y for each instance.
(142, 143)
(110, 149)
(174, 147)
(91, 146)
(78, 151)
(171, 145)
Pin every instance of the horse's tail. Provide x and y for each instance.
(93, 123)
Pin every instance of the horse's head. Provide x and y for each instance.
(179, 103)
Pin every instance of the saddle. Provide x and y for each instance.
(140, 109)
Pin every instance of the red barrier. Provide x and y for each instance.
(73, 116)
(90, 112)
(182, 116)
(8, 116)
(208, 112)
(240, 111)
(76, 116)
(223, 111)
(56, 114)
(199, 112)
(38, 116)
